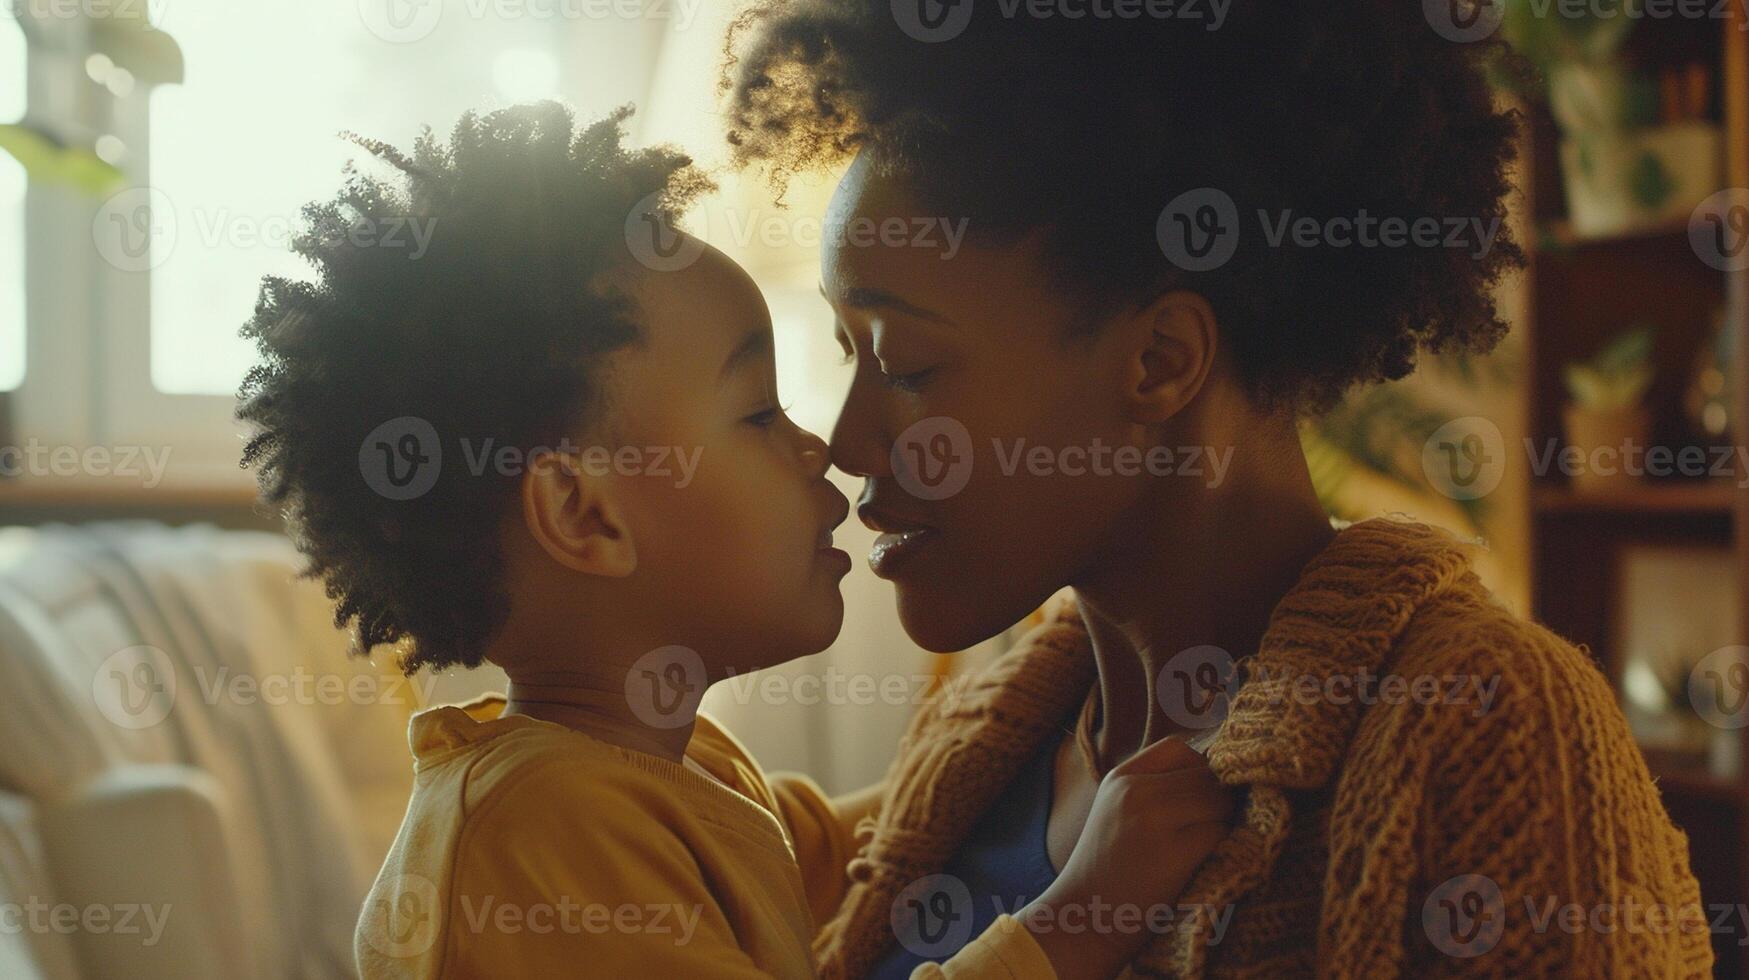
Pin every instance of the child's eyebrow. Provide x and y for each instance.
(757, 341)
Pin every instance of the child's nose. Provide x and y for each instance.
(816, 456)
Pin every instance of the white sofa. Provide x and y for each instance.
(195, 779)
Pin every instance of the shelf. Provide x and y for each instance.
(1705, 497)
(78, 494)
(1559, 234)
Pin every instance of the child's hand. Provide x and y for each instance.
(1154, 819)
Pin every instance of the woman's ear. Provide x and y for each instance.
(1170, 347)
(575, 518)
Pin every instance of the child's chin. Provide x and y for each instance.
(817, 628)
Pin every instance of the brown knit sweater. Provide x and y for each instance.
(1394, 838)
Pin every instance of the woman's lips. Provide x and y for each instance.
(900, 539)
(894, 549)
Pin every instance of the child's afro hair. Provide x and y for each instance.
(460, 305)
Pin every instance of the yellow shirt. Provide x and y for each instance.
(532, 850)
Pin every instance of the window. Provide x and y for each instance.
(12, 184)
(235, 200)
(223, 126)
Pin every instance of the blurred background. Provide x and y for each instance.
(184, 733)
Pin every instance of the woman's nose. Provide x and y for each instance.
(858, 444)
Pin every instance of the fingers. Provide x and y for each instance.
(1197, 841)
(1180, 796)
(1171, 752)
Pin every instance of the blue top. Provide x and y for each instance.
(1000, 867)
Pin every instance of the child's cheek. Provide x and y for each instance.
(744, 505)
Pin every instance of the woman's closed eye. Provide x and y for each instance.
(911, 381)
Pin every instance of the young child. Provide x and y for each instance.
(518, 418)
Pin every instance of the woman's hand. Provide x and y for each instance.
(1154, 819)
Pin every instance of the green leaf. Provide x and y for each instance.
(1649, 181)
(47, 161)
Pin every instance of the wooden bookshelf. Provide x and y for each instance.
(1583, 290)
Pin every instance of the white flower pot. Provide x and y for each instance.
(1619, 180)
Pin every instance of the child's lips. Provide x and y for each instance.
(836, 558)
(840, 511)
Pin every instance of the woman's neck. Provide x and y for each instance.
(1209, 575)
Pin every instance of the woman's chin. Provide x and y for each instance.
(945, 626)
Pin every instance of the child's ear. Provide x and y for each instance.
(574, 517)
(1169, 348)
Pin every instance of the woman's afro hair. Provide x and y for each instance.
(1024, 118)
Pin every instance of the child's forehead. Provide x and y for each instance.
(700, 312)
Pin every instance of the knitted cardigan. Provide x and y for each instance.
(1389, 838)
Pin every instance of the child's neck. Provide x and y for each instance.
(600, 710)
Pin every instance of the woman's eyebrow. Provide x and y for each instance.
(872, 298)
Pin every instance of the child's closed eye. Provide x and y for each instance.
(766, 418)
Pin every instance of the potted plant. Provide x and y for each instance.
(1606, 411)
(1635, 151)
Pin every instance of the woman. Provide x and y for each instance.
(1187, 227)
